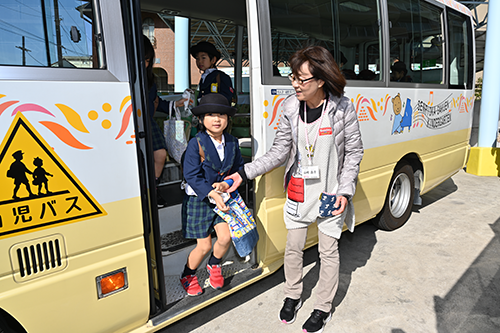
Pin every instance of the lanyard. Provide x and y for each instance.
(310, 148)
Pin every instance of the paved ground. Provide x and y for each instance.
(438, 273)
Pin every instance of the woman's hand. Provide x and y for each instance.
(237, 182)
(340, 202)
(218, 200)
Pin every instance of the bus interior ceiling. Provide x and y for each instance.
(197, 9)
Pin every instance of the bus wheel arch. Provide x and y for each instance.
(9, 324)
(402, 193)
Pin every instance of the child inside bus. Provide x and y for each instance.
(156, 103)
(212, 80)
(210, 156)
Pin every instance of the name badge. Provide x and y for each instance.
(213, 87)
(310, 172)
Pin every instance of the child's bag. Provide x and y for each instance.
(241, 225)
(175, 136)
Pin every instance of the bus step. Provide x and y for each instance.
(173, 242)
(235, 272)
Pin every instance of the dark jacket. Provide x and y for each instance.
(200, 176)
(221, 82)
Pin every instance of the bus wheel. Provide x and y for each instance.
(399, 199)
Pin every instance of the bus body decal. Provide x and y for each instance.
(38, 189)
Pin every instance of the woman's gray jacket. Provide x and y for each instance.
(347, 139)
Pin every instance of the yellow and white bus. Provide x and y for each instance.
(83, 247)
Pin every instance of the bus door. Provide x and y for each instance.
(225, 26)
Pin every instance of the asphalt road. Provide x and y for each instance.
(438, 273)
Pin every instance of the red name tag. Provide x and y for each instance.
(325, 131)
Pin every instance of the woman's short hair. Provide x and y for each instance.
(322, 66)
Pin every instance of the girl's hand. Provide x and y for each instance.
(342, 202)
(237, 181)
(220, 187)
(180, 102)
(218, 201)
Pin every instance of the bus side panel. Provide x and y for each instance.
(86, 139)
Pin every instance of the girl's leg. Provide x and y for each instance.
(223, 240)
(160, 156)
(188, 278)
(329, 272)
(203, 247)
(295, 242)
(220, 248)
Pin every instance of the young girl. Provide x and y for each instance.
(212, 80)
(210, 156)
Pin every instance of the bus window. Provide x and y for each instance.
(49, 34)
(350, 30)
(416, 42)
(460, 47)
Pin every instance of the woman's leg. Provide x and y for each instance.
(203, 247)
(329, 272)
(295, 242)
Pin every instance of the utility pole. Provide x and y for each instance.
(24, 49)
(58, 33)
(45, 32)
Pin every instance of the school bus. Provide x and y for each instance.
(84, 247)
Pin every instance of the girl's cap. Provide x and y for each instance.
(214, 103)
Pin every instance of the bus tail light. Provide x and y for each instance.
(111, 283)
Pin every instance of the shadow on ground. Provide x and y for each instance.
(473, 304)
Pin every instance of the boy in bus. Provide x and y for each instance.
(210, 156)
(399, 72)
(212, 80)
(156, 103)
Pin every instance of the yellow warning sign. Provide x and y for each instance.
(37, 190)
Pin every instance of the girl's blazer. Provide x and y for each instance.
(200, 176)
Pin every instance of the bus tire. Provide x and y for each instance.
(398, 200)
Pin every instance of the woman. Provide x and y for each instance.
(320, 142)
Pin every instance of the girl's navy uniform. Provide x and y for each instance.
(198, 217)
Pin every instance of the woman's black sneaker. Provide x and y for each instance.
(316, 321)
(289, 310)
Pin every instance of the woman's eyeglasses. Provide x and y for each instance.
(299, 81)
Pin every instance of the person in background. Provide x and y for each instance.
(210, 156)
(212, 80)
(155, 103)
(319, 141)
(366, 75)
(399, 72)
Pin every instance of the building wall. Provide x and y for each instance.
(165, 51)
